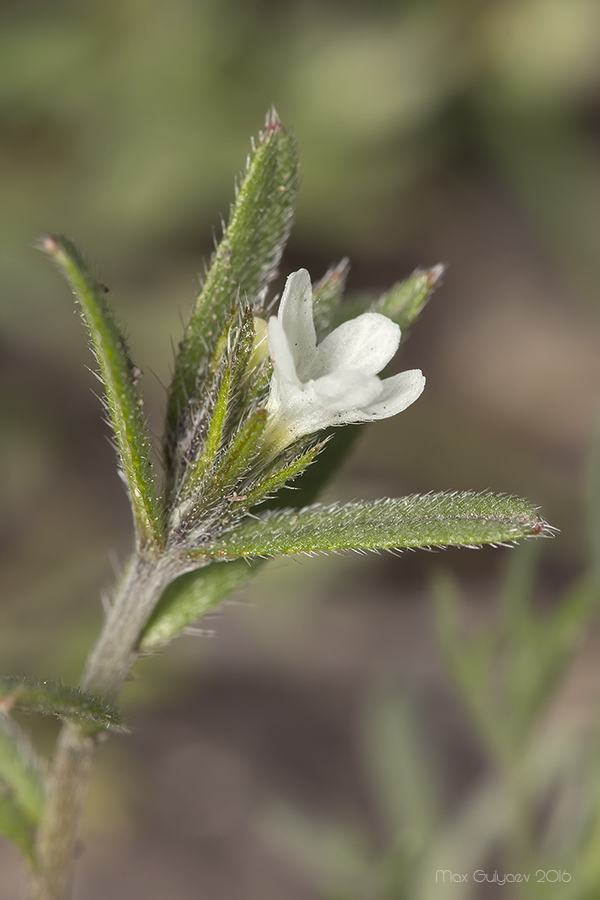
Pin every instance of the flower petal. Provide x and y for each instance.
(336, 382)
(332, 400)
(296, 317)
(366, 343)
(398, 392)
(281, 353)
(345, 390)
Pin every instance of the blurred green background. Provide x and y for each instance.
(465, 132)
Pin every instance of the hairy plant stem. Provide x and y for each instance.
(107, 668)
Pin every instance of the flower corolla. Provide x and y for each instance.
(335, 382)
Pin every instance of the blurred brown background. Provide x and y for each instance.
(463, 132)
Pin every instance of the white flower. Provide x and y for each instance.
(334, 382)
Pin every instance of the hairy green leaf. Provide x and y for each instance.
(15, 825)
(405, 300)
(245, 261)
(402, 303)
(123, 400)
(431, 520)
(190, 597)
(51, 699)
(22, 793)
(21, 769)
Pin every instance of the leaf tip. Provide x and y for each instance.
(272, 121)
(435, 274)
(541, 528)
(49, 244)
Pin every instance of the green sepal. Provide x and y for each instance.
(239, 455)
(243, 392)
(405, 300)
(327, 296)
(197, 470)
(225, 456)
(280, 474)
(430, 520)
(244, 263)
(22, 790)
(329, 455)
(220, 495)
(190, 597)
(124, 402)
(50, 699)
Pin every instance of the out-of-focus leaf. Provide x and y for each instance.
(508, 672)
(14, 824)
(403, 773)
(340, 858)
(592, 495)
(540, 650)
(51, 699)
(190, 597)
(22, 793)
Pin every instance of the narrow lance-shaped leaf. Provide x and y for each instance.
(22, 793)
(119, 377)
(432, 520)
(405, 300)
(21, 769)
(401, 767)
(190, 597)
(51, 699)
(245, 261)
(403, 303)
